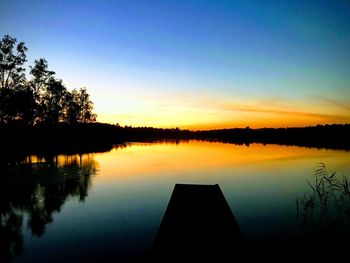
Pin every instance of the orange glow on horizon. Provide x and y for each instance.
(203, 112)
(221, 122)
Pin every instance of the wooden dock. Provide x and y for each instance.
(199, 223)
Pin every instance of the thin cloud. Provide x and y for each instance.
(334, 102)
(245, 108)
(259, 107)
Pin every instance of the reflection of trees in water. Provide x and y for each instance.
(38, 187)
(10, 234)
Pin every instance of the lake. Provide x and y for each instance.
(79, 207)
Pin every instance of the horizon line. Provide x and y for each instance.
(228, 128)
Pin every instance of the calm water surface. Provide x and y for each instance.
(63, 208)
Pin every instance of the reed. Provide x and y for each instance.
(325, 210)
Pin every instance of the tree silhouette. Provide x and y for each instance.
(24, 105)
(53, 102)
(11, 62)
(41, 76)
(41, 100)
(12, 77)
(79, 107)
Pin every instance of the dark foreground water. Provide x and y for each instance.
(83, 207)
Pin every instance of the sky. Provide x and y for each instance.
(195, 64)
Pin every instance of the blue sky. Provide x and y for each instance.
(195, 64)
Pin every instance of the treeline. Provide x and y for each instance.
(98, 136)
(40, 100)
(334, 136)
(77, 138)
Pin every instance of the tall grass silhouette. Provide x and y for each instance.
(325, 211)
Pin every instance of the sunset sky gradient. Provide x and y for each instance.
(195, 64)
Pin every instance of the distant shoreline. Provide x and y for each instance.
(84, 137)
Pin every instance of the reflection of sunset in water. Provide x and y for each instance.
(146, 159)
(119, 197)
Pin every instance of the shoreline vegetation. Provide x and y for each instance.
(39, 114)
(324, 212)
(85, 137)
